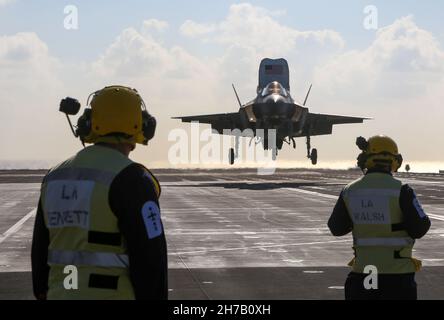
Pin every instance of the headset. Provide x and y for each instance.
(363, 145)
(71, 106)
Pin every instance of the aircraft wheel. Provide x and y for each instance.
(314, 156)
(231, 156)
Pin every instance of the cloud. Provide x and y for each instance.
(403, 60)
(131, 54)
(25, 63)
(249, 25)
(397, 80)
(136, 54)
(29, 89)
(193, 29)
(154, 24)
(249, 33)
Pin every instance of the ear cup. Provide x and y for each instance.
(84, 124)
(362, 159)
(149, 124)
(399, 161)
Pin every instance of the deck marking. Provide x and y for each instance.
(16, 227)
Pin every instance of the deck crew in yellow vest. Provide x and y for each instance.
(98, 232)
(385, 218)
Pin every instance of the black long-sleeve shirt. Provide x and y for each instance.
(415, 221)
(131, 190)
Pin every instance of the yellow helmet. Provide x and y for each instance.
(379, 151)
(118, 114)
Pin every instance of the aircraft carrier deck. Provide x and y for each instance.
(235, 235)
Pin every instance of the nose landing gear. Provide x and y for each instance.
(290, 141)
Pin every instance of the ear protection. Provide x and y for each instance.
(84, 125)
(149, 125)
(362, 159)
(362, 144)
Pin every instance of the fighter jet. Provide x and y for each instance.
(274, 108)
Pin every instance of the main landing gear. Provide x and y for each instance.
(312, 154)
(234, 153)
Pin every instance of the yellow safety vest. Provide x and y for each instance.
(83, 230)
(379, 238)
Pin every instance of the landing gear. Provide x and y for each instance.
(274, 153)
(312, 154)
(231, 156)
(290, 141)
(234, 153)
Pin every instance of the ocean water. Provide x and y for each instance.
(26, 164)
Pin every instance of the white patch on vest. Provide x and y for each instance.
(151, 218)
(370, 209)
(68, 203)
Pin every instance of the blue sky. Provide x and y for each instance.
(101, 21)
(184, 55)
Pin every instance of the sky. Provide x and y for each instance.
(182, 56)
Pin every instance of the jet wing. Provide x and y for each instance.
(321, 124)
(218, 122)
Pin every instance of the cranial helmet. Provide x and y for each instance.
(116, 114)
(378, 151)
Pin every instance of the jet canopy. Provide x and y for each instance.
(274, 88)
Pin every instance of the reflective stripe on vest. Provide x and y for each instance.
(386, 242)
(375, 192)
(70, 173)
(83, 258)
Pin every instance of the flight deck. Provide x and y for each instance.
(235, 235)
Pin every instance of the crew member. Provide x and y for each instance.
(98, 232)
(385, 218)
